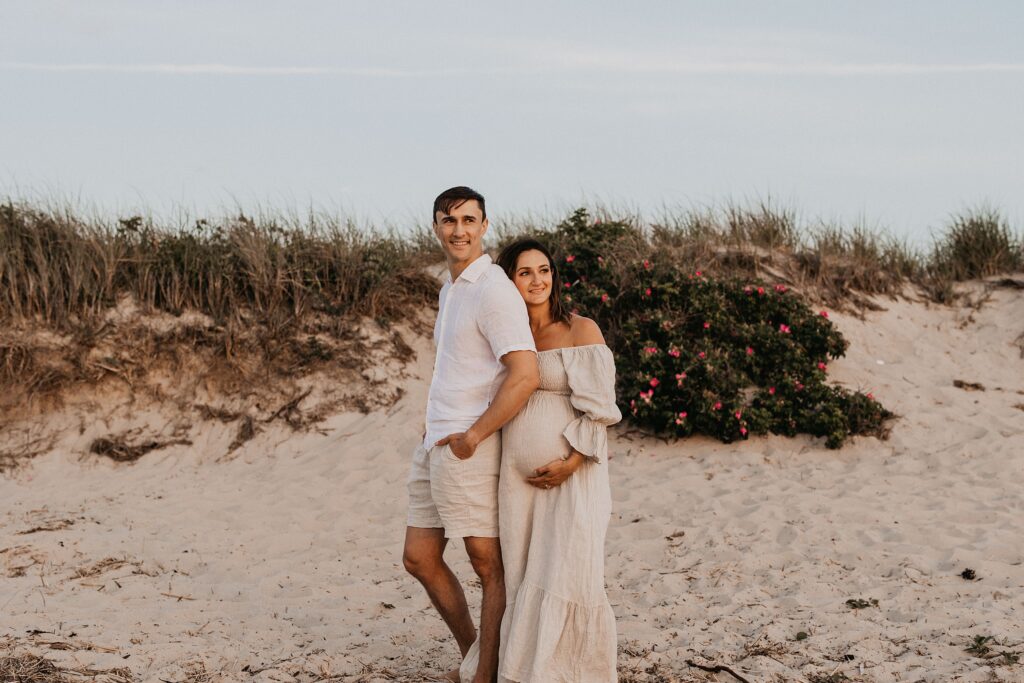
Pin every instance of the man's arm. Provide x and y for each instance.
(522, 379)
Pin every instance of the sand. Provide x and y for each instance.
(282, 561)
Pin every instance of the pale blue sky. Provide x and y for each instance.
(895, 113)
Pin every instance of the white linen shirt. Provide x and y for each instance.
(481, 317)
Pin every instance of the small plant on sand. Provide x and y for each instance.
(833, 677)
(861, 603)
(719, 356)
(982, 647)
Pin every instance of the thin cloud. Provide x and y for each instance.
(620, 64)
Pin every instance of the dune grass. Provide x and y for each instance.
(277, 289)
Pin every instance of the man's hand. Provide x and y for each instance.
(463, 444)
(556, 472)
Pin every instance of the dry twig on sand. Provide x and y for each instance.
(716, 668)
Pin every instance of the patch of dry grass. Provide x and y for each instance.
(25, 667)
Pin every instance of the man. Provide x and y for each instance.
(484, 372)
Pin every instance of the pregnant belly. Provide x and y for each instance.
(534, 437)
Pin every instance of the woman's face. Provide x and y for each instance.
(533, 277)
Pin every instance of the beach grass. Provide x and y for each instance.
(286, 293)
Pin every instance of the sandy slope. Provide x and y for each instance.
(284, 563)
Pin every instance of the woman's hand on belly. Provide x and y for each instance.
(556, 472)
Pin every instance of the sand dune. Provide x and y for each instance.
(282, 562)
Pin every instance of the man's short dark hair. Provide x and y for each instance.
(453, 198)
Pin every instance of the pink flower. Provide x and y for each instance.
(604, 298)
(771, 390)
(701, 355)
(647, 264)
(654, 382)
(674, 353)
(717, 406)
(650, 349)
(707, 325)
(682, 415)
(679, 378)
(748, 290)
(743, 431)
(824, 314)
(738, 414)
(567, 284)
(698, 273)
(780, 288)
(750, 351)
(784, 328)
(647, 292)
(570, 258)
(646, 395)
(822, 366)
(871, 396)
(760, 290)
(798, 386)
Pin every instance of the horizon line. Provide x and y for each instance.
(619, 65)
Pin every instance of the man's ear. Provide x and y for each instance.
(486, 224)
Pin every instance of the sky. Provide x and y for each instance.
(894, 115)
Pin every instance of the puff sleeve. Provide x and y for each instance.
(591, 373)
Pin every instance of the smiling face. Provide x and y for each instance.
(461, 232)
(533, 277)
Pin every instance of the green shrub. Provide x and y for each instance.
(723, 357)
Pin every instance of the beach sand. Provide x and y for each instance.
(282, 561)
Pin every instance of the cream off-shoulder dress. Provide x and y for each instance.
(558, 625)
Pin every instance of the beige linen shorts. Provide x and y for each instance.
(459, 496)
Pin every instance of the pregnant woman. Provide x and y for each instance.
(554, 500)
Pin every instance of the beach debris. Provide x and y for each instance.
(831, 677)
(48, 525)
(108, 564)
(246, 431)
(717, 668)
(30, 668)
(982, 647)
(861, 603)
(289, 411)
(216, 413)
(968, 575)
(119, 449)
(968, 386)
(12, 460)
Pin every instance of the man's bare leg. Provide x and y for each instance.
(485, 555)
(424, 559)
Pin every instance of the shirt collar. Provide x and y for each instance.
(475, 269)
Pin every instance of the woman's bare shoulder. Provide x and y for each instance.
(585, 331)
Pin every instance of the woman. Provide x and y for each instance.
(554, 499)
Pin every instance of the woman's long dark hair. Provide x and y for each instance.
(508, 258)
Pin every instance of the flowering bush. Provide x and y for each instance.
(722, 357)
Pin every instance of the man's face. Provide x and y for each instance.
(461, 232)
